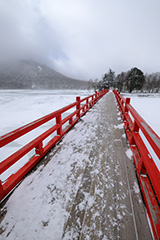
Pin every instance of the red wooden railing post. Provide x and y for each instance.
(59, 122)
(87, 103)
(125, 111)
(135, 127)
(96, 96)
(92, 102)
(71, 121)
(78, 106)
(134, 130)
(127, 102)
(39, 149)
(2, 194)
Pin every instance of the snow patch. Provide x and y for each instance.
(136, 187)
(129, 154)
(124, 135)
(119, 216)
(121, 183)
(120, 126)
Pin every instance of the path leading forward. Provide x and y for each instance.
(85, 188)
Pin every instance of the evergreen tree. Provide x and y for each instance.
(108, 80)
(135, 79)
(121, 81)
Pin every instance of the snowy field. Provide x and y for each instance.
(19, 107)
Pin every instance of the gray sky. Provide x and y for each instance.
(82, 38)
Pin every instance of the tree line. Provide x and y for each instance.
(132, 80)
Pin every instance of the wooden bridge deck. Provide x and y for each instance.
(86, 188)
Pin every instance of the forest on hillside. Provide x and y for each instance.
(132, 80)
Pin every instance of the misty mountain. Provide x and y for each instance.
(31, 75)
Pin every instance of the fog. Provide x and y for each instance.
(82, 39)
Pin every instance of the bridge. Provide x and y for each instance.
(88, 186)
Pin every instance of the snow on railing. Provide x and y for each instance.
(61, 126)
(138, 133)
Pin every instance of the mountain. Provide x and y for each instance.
(27, 74)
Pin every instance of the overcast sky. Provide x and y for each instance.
(82, 38)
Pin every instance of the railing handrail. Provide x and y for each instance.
(147, 171)
(37, 142)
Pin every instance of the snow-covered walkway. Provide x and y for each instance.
(85, 188)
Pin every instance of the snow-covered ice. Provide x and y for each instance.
(19, 107)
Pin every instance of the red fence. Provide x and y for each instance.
(79, 108)
(147, 171)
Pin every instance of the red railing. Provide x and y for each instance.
(79, 108)
(148, 174)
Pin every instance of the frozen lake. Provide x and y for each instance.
(20, 107)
